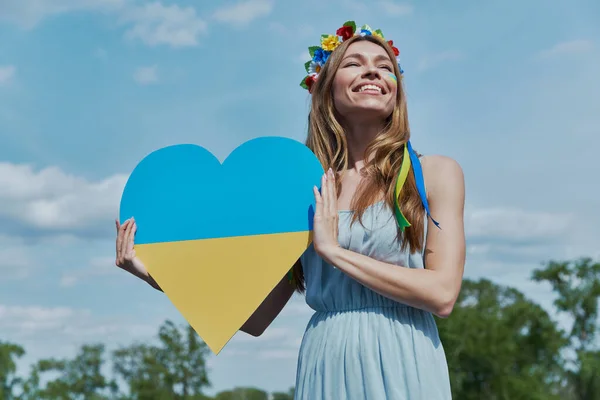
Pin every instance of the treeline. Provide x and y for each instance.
(172, 369)
(499, 344)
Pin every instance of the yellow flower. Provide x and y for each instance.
(330, 42)
(377, 35)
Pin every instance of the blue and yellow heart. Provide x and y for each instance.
(218, 237)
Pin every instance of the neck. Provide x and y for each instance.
(359, 136)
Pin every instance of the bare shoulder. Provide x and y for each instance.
(443, 176)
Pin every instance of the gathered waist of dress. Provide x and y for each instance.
(366, 308)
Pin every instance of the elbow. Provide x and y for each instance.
(253, 329)
(252, 332)
(444, 306)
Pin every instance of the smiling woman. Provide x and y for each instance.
(379, 267)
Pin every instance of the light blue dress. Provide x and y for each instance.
(358, 344)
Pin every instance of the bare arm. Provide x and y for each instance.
(436, 287)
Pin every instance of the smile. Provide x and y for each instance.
(369, 88)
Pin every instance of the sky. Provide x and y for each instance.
(509, 89)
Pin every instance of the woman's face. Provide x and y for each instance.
(365, 84)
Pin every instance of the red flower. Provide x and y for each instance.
(345, 32)
(396, 51)
(310, 80)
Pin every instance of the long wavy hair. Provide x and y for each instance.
(383, 157)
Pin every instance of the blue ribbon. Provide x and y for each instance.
(418, 172)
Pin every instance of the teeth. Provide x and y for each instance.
(369, 87)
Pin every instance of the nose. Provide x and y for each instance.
(371, 71)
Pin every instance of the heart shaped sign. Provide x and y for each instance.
(216, 237)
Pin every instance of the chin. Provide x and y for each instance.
(369, 112)
(368, 106)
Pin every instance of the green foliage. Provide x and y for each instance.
(501, 345)
(243, 394)
(175, 369)
(577, 284)
(79, 378)
(284, 396)
(8, 380)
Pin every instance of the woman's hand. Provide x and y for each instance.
(126, 258)
(325, 227)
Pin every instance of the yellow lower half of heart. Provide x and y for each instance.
(216, 284)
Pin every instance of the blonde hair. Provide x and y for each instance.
(383, 156)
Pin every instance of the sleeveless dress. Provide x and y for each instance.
(359, 345)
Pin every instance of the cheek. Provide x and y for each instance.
(338, 84)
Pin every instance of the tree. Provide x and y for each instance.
(79, 378)
(283, 396)
(577, 285)
(175, 369)
(500, 345)
(8, 369)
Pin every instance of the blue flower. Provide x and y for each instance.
(365, 32)
(321, 56)
(318, 57)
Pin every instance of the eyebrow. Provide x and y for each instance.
(377, 58)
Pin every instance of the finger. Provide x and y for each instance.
(318, 201)
(120, 238)
(130, 241)
(323, 193)
(117, 239)
(125, 242)
(332, 193)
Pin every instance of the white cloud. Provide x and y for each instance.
(28, 13)
(98, 267)
(434, 60)
(16, 259)
(568, 47)
(58, 331)
(156, 24)
(28, 320)
(152, 23)
(52, 200)
(146, 75)
(511, 225)
(501, 240)
(244, 12)
(393, 9)
(7, 73)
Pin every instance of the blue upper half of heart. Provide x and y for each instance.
(183, 192)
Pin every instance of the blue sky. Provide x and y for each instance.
(89, 87)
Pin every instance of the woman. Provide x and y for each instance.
(378, 268)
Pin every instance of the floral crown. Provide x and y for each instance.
(329, 43)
